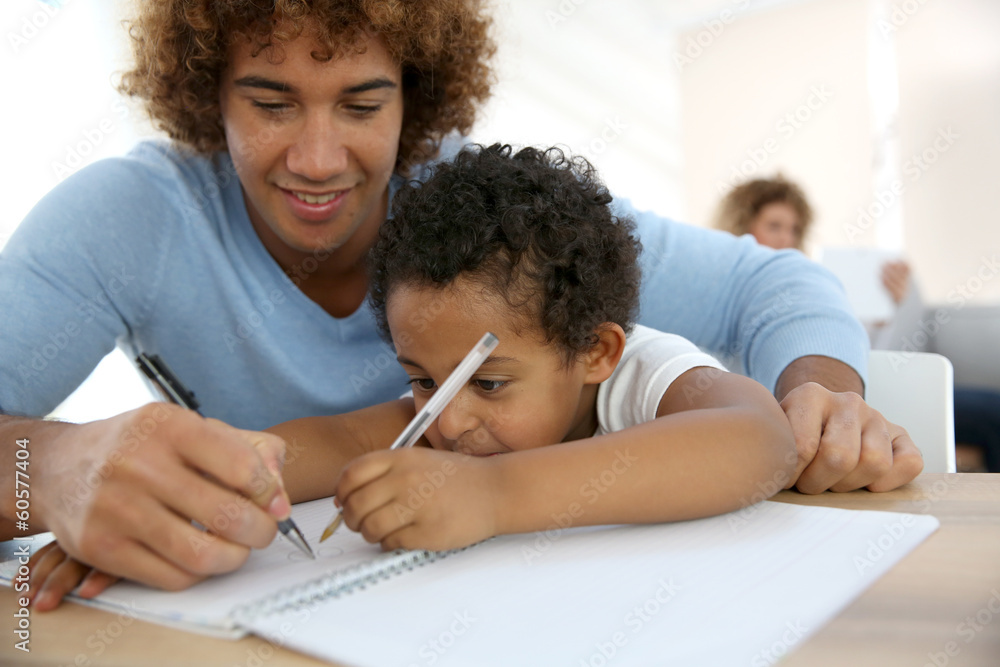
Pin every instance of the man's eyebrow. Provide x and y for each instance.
(491, 360)
(263, 82)
(371, 84)
(254, 81)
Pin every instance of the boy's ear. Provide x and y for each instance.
(602, 359)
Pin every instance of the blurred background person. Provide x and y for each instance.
(774, 211)
(777, 213)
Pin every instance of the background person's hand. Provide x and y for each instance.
(844, 444)
(896, 278)
(120, 494)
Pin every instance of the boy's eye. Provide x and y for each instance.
(424, 384)
(489, 385)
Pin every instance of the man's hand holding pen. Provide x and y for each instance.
(121, 495)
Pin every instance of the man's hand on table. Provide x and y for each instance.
(843, 444)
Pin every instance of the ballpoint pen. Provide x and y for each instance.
(433, 408)
(156, 370)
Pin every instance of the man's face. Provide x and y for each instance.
(314, 143)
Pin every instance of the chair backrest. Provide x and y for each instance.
(916, 391)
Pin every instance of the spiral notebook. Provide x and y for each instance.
(273, 579)
(724, 590)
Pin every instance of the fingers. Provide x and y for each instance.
(362, 471)
(843, 444)
(246, 461)
(178, 552)
(40, 566)
(368, 506)
(907, 462)
(95, 583)
(807, 421)
(58, 583)
(54, 574)
(224, 512)
(378, 514)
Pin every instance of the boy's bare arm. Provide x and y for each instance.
(720, 442)
(317, 448)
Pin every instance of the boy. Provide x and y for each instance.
(613, 422)
(525, 245)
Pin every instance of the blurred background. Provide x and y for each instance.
(886, 112)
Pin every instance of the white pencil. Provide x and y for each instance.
(434, 407)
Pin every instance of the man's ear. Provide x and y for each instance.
(602, 359)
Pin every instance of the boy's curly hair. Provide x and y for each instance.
(181, 46)
(533, 227)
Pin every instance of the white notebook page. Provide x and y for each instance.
(739, 589)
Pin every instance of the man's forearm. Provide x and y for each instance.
(20, 470)
(834, 375)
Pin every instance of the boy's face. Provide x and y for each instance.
(314, 143)
(522, 397)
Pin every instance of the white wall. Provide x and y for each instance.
(943, 58)
(949, 77)
(595, 77)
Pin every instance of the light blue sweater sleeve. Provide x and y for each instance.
(80, 271)
(739, 300)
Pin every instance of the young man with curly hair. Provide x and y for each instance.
(525, 245)
(235, 253)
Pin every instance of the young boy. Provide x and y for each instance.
(594, 417)
(619, 423)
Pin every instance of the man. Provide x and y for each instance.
(235, 253)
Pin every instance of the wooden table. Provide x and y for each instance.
(939, 606)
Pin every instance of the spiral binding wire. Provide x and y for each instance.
(340, 582)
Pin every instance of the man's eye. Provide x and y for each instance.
(364, 109)
(273, 107)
